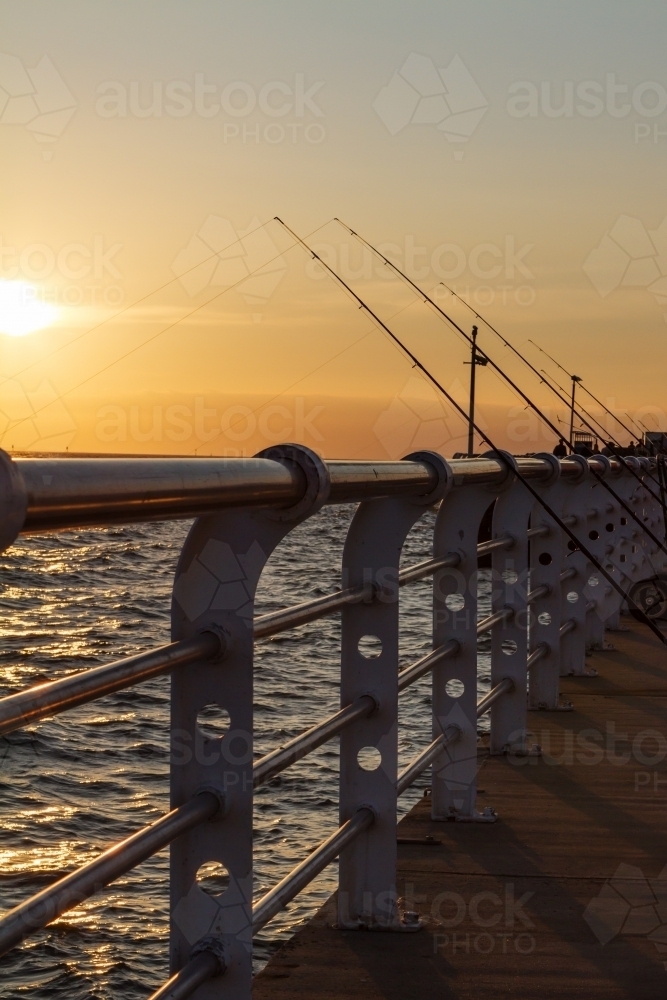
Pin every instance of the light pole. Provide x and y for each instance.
(575, 379)
(475, 359)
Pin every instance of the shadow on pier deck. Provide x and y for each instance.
(562, 897)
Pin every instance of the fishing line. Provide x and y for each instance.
(137, 302)
(427, 299)
(165, 329)
(308, 374)
(534, 370)
(548, 378)
(500, 455)
(588, 391)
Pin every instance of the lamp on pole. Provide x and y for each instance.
(575, 379)
(475, 359)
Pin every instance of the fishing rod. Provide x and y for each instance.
(612, 441)
(427, 299)
(585, 388)
(535, 371)
(605, 433)
(500, 455)
(564, 400)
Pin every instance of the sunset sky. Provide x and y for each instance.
(150, 303)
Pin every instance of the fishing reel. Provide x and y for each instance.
(651, 596)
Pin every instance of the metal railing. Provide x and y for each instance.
(537, 625)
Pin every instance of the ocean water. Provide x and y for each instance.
(75, 784)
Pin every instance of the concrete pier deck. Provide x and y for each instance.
(562, 897)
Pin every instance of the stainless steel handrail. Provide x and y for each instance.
(426, 663)
(497, 618)
(68, 892)
(417, 766)
(283, 757)
(194, 974)
(80, 492)
(538, 654)
(501, 688)
(320, 607)
(18, 710)
(37, 703)
(277, 898)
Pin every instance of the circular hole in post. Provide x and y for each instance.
(455, 602)
(545, 559)
(593, 581)
(509, 576)
(572, 546)
(609, 527)
(594, 535)
(573, 597)
(370, 646)
(213, 721)
(369, 758)
(509, 647)
(212, 878)
(454, 687)
(544, 618)
(624, 520)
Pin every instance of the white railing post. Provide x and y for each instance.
(454, 774)
(369, 666)
(216, 579)
(546, 565)
(509, 640)
(578, 503)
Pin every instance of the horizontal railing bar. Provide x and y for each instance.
(80, 491)
(276, 761)
(534, 595)
(486, 624)
(505, 541)
(194, 974)
(417, 766)
(539, 532)
(545, 529)
(566, 627)
(423, 666)
(427, 568)
(277, 898)
(567, 574)
(283, 757)
(68, 892)
(501, 688)
(301, 614)
(538, 654)
(18, 710)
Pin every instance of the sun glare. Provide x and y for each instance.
(21, 311)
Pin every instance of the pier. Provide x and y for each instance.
(533, 865)
(565, 896)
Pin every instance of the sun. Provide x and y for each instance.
(21, 310)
